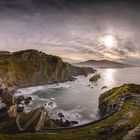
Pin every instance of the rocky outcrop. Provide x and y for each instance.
(112, 103)
(110, 100)
(31, 67)
(95, 78)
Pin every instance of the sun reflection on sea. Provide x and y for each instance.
(109, 77)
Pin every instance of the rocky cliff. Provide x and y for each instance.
(124, 101)
(109, 101)
(31, 67)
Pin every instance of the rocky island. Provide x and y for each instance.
(95, 78)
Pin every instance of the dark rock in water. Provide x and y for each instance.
(95, 78)
(104, 87)
(20, 108)
(74, 122)
(61, 115)
(30, 98)
(66, 123)
(20, 99)
(51, 104)
(63, 122)
(27, 100)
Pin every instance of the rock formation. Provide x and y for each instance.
(95, 78)
(31, 67)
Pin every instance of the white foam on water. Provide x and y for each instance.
(42, 99)
(34, 97)
(52, 98)
(60, 85)
(27, 109)
(71, 116)
(50, 104)
(28, 90)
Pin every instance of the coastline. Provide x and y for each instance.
(13, 89)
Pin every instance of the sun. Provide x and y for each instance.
(108, 41)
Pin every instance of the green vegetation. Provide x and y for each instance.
(31, 67)
(117, 92)
(114, 127)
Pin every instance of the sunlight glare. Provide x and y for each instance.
(108, 41)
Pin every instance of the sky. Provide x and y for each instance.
(75, 30)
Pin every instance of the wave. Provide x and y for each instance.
(30, 90)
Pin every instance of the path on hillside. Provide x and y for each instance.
(41, 121)
(29, 122)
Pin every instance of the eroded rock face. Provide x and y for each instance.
(12, 112)
(31, 67)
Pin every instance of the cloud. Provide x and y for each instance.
(71, 29)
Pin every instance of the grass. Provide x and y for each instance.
(115, 93)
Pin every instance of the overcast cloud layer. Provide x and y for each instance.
(72, 29)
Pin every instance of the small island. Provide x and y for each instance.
(95, 78)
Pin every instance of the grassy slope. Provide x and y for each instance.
(113, 128)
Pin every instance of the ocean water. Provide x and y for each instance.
(76, 99)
